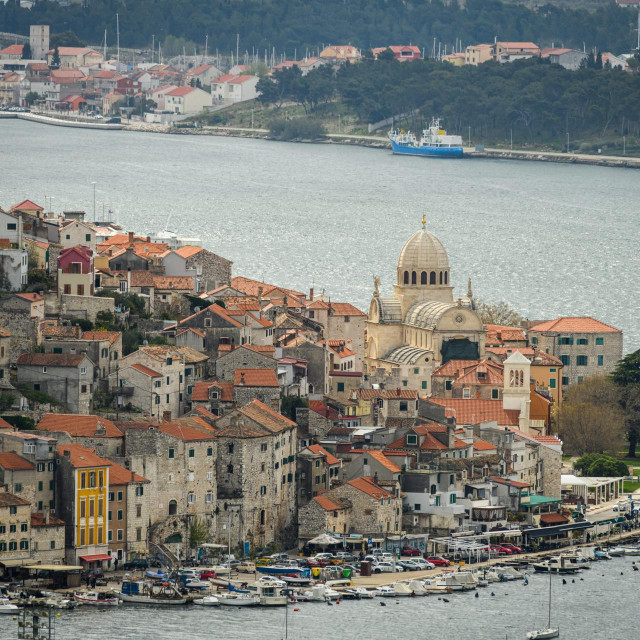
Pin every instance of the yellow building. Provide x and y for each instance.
(456, 59)
(83, 481)
(546, 371)
(340, 52)
(476, 54)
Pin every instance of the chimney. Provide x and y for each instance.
(311, 294)
(166, 416)
(133, 476)
(148, 238)
(242, 379)
(375, 478)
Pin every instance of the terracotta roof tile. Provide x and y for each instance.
(451, 368)
(184, 432)
(111, 336)
(368, 486)
(582, 324)
(187, 251)
(51, 359)
(498, 334)
(121, 475)
(482, 445)
(345, 309)
(79, 425)
(383, 460)
(13, 461)
(255, 378)
(331, 504)
(9, 500)
(81, 457)
(146, 370)
(267, 417)
(318, 450)
(38, 520)
(402, 394)
(178, 283)
(473, 411)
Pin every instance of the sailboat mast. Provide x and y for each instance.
(549, 599)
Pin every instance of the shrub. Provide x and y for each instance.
(297, 129)
(597, 464)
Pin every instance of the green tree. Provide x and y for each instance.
(55, 59)
(498, 313)
(597, 464)
(198, 532)
(289, 404)
(26, 51)
(66, 39)
(626, 376)
(387, 54)
(31, 97)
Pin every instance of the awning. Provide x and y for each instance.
(15, 562)
(96, 558)
(54, 567)
(544, 532)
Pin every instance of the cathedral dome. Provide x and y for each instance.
(423, 251)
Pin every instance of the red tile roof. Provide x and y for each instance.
(38, 520)
(368, 486)
(181, 91)
(498, 334)
(27, 205)
(187, 251)
(331, 504)
(200, 391)
(553, 518)
(81, 457)
(583, 324)
(51, 359)
(177, 283)
(111, 336)
(255, 378)
(482, 445)
(215, 309)
(13, 461)
(251, 287)
(31, 297)
(9, 500)
(451, 368)
(267, 417)
(391, 394)
(547, 439)
(120, 475)
(383, 460)
(321, 451)
(146, 370)
(79, 425)
(13, 50)
(473, 411)
(184, 432)
(345, 309)
(513, 483)
(4, 424)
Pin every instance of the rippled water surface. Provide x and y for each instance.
(549, 239)
(600, 604)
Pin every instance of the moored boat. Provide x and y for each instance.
(136, 592)
(207, 601)
(434, 142)
(7, 607)
(235, 599)
(97, 598)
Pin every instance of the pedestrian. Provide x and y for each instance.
(115, 564)
(93, 582)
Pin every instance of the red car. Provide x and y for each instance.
(499, 550)
(315, 562)
(513, 547)
(410, 551)
(439, 561)
(207, 574)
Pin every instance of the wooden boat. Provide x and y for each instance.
(97, 598)
(135, 592)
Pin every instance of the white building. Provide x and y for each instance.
(187, 100)
(235, 88)
(14, 267)
(11, 228)
(39, 40)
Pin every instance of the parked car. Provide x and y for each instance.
(346, 556)
(407, 565)
(494, 548)
(139, 564)
(438, 561)
(423, 564)
(514, 549)
(324, 556)
(386, 567)
(98, 574)
(317, 562)
(410, 551)
(207, 574)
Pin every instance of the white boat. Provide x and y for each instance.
(458, 581)
(271, 596)
(239, 600)
(559, 564)
(319, 593)
(385, 591)
(617, 551)
(7, 607)
(417, 588)
(396, 590)
(631, 551)
(208, 601)
(97, 598)
(506, 574)
(361, 592)
(549, 631)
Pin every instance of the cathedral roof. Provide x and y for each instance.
(426, 315)
(406, 355)
(423, 251)
(389, 310)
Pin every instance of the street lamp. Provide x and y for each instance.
(94, 200)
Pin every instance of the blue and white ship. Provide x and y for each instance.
(434, 143)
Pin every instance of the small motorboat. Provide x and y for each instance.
(601, 555)
(7, 607)
(319, 593)
(207, 601)
(539, 634)
(417, 588)
(235, 599)
(362, 593)
(98, 599)
(631, 551)
(616, 552)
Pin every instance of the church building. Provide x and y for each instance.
(421, 326)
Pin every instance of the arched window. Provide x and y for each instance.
(413, 277)
(173, 507)
(446, 277)
(511, 378)
(263, 516)
(423, 277)
(406, 277)
(432, 278)
(441, 277)
(311, 386)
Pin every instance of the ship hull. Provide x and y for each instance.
(426, 151)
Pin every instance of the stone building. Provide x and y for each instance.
(66, 378)
(38, 485)
(256, 468)
(256, 384)
(318, 471)
(324, 514)
(47, 538)
(421, 326)
(372, 463)
(129, 510)
(93, 432)
(15, 527)
(585, 346)
(209, 270)
(243, 357)
(468, 379)
(180, 463)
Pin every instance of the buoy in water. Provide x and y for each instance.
(444, 600)
(383, 604)
(493, 594)
(564, 581)
(296, 609)
(477, 595)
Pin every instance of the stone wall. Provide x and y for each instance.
(314, 520)
(42, 538)
(240, 358)
(551, 470)
(25, 332)
(268, 395)
(216, 271)
(86, 307)
(368, 513)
